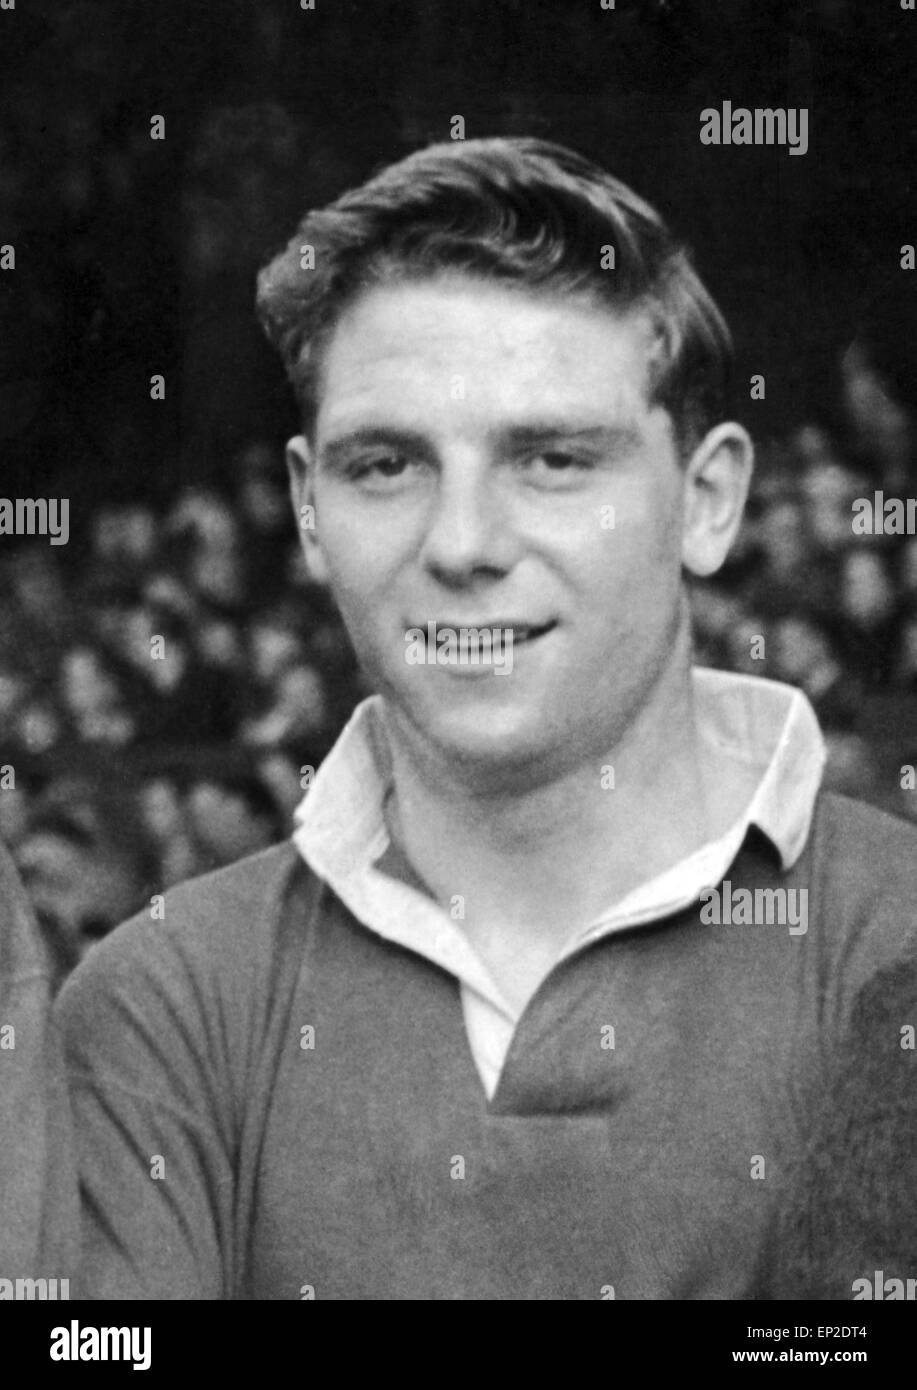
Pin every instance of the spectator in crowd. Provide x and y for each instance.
(298, 713)
(285, 781)
(906, 656)
(880, 383)
(93, 699)
(167, 821)
(85, 861)
(806, 656)
(232, 816)
(868, 609)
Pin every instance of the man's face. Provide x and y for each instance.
(470, 444)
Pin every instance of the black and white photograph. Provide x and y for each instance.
(458, 665)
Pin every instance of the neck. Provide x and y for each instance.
(549, 858)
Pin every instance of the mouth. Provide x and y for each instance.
(531, 632)
(476, 648)
(508, 631)
(469, 649)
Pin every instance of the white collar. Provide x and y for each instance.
(341, 830)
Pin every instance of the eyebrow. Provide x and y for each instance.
(535, 433)
(338, 446)
(538, 432)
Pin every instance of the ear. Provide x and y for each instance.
(301, 468)
(717, 478)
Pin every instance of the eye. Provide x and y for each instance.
(555, 458)
(384, 466)
(556, 466)
(380, 472)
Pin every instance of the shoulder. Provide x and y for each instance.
(860, 869)
(862, 856)
(863, 897)
(204, 951)
(238, 904)
(861, 831)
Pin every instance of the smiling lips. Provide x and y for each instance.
(528, 633)
(517, 632)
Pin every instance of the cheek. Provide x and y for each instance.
(363, 544)
(363, 556)
(353, 555)
(636, 565)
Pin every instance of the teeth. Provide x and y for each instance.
(505, 633)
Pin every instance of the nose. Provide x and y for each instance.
(468, 531)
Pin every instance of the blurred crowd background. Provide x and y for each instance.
(137, 257)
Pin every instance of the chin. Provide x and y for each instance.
(509, 740)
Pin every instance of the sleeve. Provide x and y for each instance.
(38, 1190)
(876, 1094)
(858, 1216)
(155, 1142)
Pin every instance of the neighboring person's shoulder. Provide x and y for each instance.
(38, 1194)
(22, 956)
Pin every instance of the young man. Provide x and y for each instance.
(570, 983)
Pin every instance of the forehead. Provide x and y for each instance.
(482, 350)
